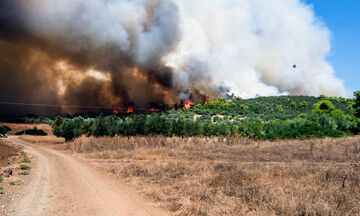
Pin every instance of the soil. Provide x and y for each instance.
(6, 153)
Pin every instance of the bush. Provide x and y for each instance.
(7, 128)
(337, 113)
(3, 130)
(251, 129)
(324, 106)
(24, 167)
(280, 108)
(304, 105)
(32, 132)
(24, 173)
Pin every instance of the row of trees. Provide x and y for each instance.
(316, 124)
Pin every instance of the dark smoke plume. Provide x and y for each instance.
(120, 53)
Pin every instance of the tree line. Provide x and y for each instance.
(324, 120)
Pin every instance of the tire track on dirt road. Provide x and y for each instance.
(62, 185)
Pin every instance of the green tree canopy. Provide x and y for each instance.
(357, 104)
(324, 106)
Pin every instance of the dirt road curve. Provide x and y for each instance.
(62, 185)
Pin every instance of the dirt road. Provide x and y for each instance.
(62, 185)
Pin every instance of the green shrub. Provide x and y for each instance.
(25, 158)
(32, 132)
(24, 173)
(7, 128)
(337, 113)
(280, 108)
(324, 106)
(24, 167)
(250, 128)
(244, 107)
(3, 130)
(304, 105)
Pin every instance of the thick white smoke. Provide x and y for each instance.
(252, 45)
(248, 45)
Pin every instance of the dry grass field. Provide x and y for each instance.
(225, 176)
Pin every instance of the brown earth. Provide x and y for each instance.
(6, 152)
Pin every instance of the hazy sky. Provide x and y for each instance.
(343, 19)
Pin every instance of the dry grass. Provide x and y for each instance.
(218, 176)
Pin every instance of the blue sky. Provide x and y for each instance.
(342, 17)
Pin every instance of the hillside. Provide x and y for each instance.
(267, 108)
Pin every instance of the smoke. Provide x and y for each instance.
(143, 52)
(252, 45)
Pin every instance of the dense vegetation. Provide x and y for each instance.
(357, 104)
(4, 129)
(284, 117)
(32, 132)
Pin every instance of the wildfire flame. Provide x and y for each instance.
(130, 110)
(154, 110)
(187, 104)
(116, 112)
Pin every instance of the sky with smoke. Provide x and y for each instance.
(144, 52)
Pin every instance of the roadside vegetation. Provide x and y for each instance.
(24, 173)
(24, 167)
(267, 118)
(4, 130)
(25, 158)
(32, 132)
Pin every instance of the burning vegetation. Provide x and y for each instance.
(90, 53)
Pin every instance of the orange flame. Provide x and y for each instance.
(116, 112)
(130, 110)
(154, 110)
(187, 104)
